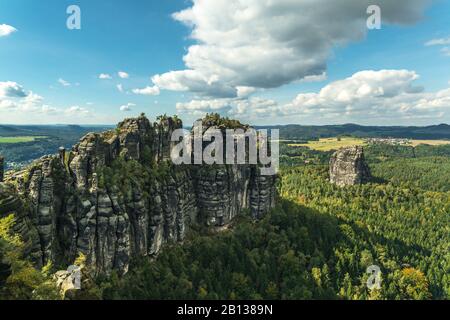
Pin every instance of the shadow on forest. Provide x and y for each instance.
(397, 248)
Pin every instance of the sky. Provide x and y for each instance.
(264, 62)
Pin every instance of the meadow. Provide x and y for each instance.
(21, 139)
(335, 143)
(328, 144)
(416, 143)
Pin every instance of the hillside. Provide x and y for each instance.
(299, 132)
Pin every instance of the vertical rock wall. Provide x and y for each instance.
(116, 196)
(348, 167)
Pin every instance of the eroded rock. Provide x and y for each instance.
(116, 196)
(348, 167)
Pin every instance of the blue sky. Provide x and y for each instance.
(142, 38)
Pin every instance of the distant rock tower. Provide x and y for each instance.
(2, 168)
(348, 167)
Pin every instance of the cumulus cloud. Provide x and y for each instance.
(200, 107)
(49, 110)
(18, 105)
(32, 102)
(127, 107)
(147, 91)
(8, 104)
(13, 97)
(384, 95)
(123, 75)
(266, 43)
(104, 76)
(363, 92)
(6, 30)
(252, 110)
(11, 89)
(77, 110)
(119, 87)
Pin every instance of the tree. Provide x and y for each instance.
(23, 282)
(413, 285)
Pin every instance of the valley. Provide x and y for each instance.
(314, 240)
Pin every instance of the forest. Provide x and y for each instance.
(316, 244)
(320, 240)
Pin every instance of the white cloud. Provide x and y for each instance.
(441, 42)
(244, 92)
(363, 92)
(32, 102)
(127, 107)
(64, 83)
(104, 76)
(13, 97)
(11, 89)
(148, 91)
(438, 42)
(200, 107)
(8, 104)
(370, 97)
(6, 30)
(77, 110)
(18, 105)
(266, 43)
(119, 87)
(49, 110)
(123, 75)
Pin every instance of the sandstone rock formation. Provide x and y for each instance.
(348, 167)
(2, 168)
(115, 196)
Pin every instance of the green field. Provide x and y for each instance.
(328, 144)
(11, 140)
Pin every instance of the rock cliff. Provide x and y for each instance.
(348, 167)
(116, 195)
(2, 168)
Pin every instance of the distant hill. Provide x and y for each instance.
(51, 137)
(47, 130)
(300, 132)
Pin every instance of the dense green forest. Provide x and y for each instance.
(316, 244)
(320, 239)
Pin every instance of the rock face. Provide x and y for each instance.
(348, 167)
(116, 196)
(2, 168)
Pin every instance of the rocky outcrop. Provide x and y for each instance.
(2, 168)
(348, 167)
(116, 196)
